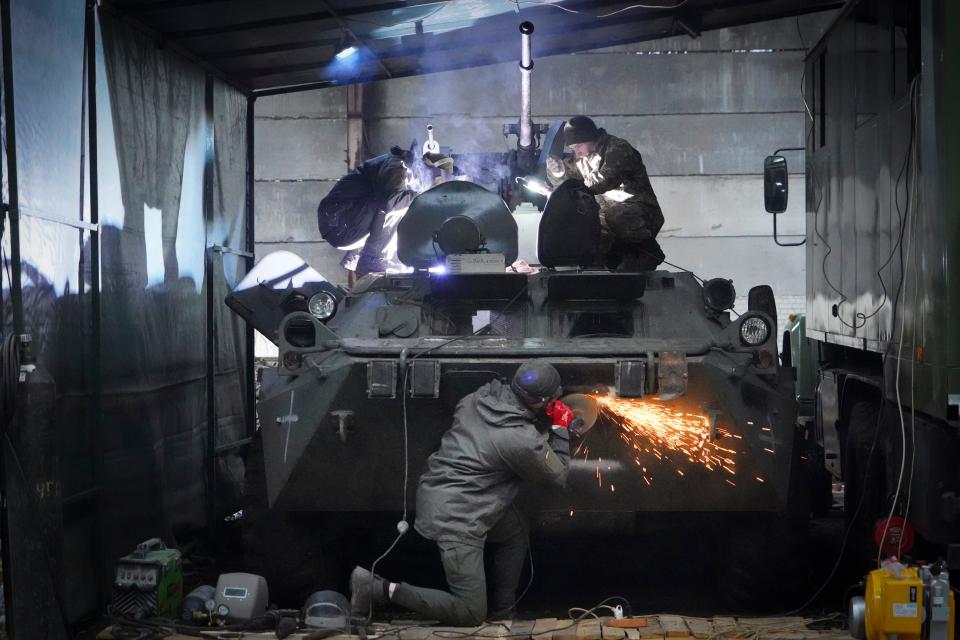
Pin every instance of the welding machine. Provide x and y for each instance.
(904, 602)
(149, 581)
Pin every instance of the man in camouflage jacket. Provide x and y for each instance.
(613, 171)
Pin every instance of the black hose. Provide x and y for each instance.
(9, 376)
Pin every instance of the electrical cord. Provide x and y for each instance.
(860, 318)
(911, 170)
(167, 628)
(912, 196)
(605, 15)
(454, 635)
(403, 526)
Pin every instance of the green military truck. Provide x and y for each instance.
(883, 277)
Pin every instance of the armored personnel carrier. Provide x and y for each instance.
(696, 415)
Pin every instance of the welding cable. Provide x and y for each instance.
(803, 76)
(912, 193)
(166, 628)
(896, 385)
(526, 533)
(897, 299)
(909, 162)
(684, 269)
(863, 493)
(403, 526)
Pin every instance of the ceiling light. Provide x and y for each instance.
(346, 52)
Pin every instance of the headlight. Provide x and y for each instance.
(719, 294)
(754, 331)
(322, 305)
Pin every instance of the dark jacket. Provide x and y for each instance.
(621, 168)
(492, 447)
(377, 186)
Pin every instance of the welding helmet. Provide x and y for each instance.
(580, 129)
(536, 382)
(326, 610)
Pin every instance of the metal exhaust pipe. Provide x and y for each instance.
(526, 68)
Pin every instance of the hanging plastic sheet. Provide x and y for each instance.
(155, 327)
(164, 131)
(45, 71)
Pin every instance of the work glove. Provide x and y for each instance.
(555, 166)
(561, 416)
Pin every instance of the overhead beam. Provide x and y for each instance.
(661, 24)
(164, 5)
(458, 40)
(487, 45)
(272, 48)
(314, 16)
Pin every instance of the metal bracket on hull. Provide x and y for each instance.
(672, 375)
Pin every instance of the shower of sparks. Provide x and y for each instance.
(670, 434)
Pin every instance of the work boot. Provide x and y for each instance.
(502, 615)
(366, 589)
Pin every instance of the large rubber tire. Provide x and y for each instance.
(285, 548)
(764, 565)
(865, 481)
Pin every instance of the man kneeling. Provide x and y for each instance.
(465, 498)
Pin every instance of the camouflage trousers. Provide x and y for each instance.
(627, 236)
(631, 221)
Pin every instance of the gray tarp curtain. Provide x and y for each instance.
(165, 132)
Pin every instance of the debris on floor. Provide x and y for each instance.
(655, 627)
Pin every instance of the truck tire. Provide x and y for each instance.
(285, 548)
(865, 481)
(764, 565)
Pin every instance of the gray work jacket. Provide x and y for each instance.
(492, 447)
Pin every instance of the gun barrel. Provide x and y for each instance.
(526, 69)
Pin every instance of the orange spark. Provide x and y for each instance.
(649, 426)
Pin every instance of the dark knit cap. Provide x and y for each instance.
(580, 129)
(536, 381)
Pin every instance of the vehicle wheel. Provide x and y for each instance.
(765, 565)
(865, 482)
(285, 548)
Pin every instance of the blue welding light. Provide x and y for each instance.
(346, 52)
